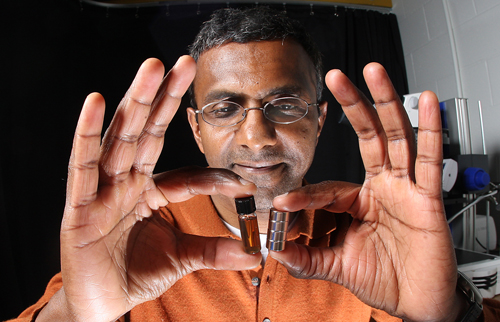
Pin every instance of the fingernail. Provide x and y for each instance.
(283, 195)
(178, 60)
(175, 65)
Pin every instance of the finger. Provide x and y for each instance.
(185, 183)
(364, 120)
(429, 163)
(334, 196)
(165, 105)
(120, 141)
(217, 253)
(397, 126)
(83, 173)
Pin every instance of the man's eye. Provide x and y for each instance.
(224, 110)
(287, 109)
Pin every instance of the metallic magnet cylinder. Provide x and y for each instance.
(277, 229)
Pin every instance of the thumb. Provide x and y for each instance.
(303, 261)
(217, 253)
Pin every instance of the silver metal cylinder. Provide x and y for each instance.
(277, 229)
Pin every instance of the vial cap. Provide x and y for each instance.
(245, 205)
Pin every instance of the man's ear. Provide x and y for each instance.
(323, 108)
(195, 127)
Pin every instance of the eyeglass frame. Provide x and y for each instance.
(200, 111)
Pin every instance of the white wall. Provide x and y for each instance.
(452, 47)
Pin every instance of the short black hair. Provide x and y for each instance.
(254, 24)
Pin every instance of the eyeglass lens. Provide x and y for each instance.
(281, 110)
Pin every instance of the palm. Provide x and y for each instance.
(398, 232)
(100, 244)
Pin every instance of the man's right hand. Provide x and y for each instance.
(115, 253)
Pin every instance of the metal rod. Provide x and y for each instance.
(491, 193)
(454, 50)
(482, 127)
(468, 128)
(463, 128)
(487, 226)
(473, 212)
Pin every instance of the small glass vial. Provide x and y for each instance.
(249, 227)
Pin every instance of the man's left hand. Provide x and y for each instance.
(398, 254)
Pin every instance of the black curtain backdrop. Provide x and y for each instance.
(55, 52)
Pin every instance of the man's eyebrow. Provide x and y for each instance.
(217, 95)
(292, 90)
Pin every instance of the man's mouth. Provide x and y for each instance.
(258, 167)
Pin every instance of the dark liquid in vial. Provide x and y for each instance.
(250, 233)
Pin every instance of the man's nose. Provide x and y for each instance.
(256, 132)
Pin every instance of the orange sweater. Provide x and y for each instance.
(210, 295)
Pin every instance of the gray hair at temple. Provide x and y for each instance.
(254, 24)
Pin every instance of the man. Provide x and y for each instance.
(140, 247)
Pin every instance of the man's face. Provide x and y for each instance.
(275, 157)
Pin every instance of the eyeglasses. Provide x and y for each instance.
(284, 110)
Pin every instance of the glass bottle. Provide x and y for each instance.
(249, 227)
